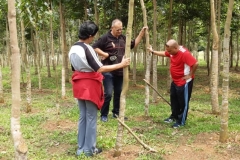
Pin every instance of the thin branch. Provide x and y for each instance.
(156, 91)
(141, 142)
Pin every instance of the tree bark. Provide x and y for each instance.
(148, 59)
(134, 60)
(19, 143)
(47, 52)
(214, 66)
(36, 44)
(155, 57)
(208, 50)
(237, 61)
(23, 49)
(225, 84)
(118, 146)
(7, 62)
(169, 35)
(51, 39)
(1, 86)
(63, 48)
(218, 11)
(96, 15)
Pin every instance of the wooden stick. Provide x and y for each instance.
(156, 91)
(142, 143)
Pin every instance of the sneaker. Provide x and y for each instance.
(96, 151)
(125, 118)
(104, 118)
(169, 120)
(176, 125)
(79, 151)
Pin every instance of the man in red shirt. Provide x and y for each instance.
(182, 68)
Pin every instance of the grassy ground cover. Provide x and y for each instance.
(51, 133)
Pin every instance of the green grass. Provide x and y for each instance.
(50, 135)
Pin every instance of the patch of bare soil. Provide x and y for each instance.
(206, 146)
(58, 148)
(129, 152)
(59, 125)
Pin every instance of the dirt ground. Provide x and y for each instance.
(205, 146)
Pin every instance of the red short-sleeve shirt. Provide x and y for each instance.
(181, 64)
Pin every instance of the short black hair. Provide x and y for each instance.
(87, 29)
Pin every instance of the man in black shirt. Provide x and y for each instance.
(111, 47)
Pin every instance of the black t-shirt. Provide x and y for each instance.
(115, 47)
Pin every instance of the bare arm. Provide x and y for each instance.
(107, 68)
(104, 55)
(158, 53)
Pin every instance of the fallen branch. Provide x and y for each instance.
(143, 144)
(156, 91)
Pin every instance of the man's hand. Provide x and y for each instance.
(187, 77)
(104, 56)
(150, 49)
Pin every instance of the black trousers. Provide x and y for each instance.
(180, 97)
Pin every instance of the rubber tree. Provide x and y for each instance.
(225, 85)
(154, 57)
(214, 66)
(125, 80)
(148, 60)
(20, 145)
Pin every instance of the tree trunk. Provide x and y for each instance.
(219, 34)
(1, 86)
(148, 59)
(29, 90)
(117, 8)
(134, 61)
(237, 61)
(20, 146)
(125, 81)
(36, 44)
(231, 50)
(85, 10)
(51, 40)
(214, 66)
(47, 51)
(169, 35)
(35, 53)
(7, 48)
(225, 85)
(63, 47)
(23, 49)
(154, 96)
(96, 15)
(208, 50)
(180, 31)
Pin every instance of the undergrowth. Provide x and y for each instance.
(52, 134)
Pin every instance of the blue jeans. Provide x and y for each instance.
(112, 86)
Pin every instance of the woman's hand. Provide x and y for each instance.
(125, 62)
